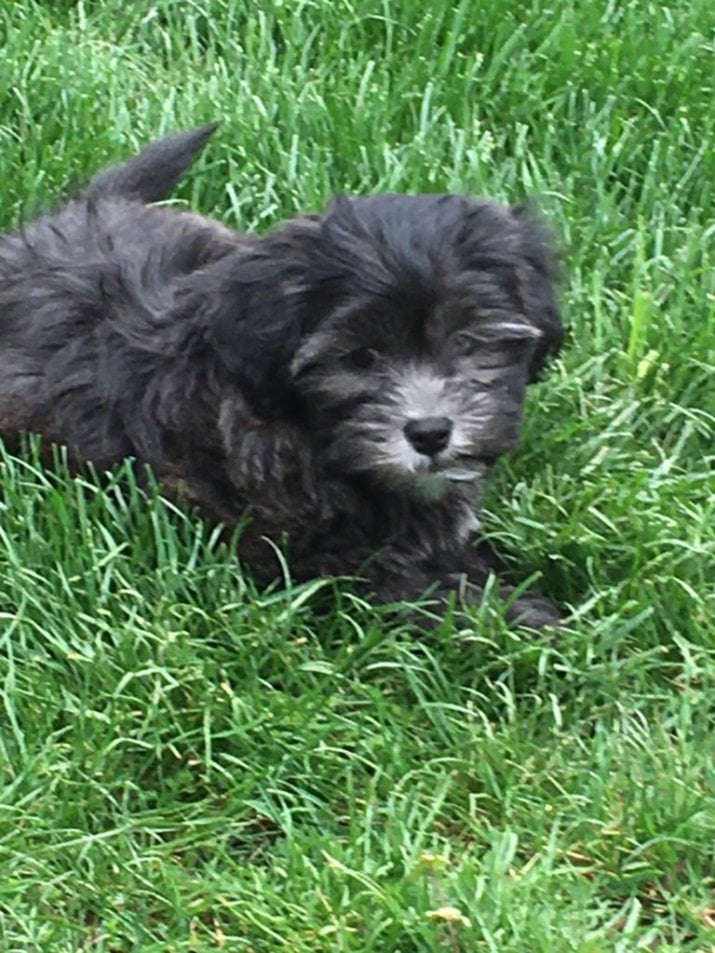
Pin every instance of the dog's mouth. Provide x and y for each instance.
(462, 475)
(461, 469)
(433, 478)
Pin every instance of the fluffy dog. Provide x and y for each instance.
(341, 384)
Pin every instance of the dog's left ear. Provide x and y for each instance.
(538, 273)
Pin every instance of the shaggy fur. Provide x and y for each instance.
(345, 382)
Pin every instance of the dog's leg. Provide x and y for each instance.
(529, 609)
(410, 569)
(479, 561)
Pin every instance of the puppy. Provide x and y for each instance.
(340, 386)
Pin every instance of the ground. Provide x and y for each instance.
(190, 765)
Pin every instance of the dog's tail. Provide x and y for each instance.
(151, 175)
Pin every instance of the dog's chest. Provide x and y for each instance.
(425, 528)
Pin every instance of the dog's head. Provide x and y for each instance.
(404, 330)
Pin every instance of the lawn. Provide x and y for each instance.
(189, 764)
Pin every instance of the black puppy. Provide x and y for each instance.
(345, 382)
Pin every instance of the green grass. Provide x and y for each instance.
(190, 765)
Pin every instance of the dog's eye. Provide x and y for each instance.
(469, 345)
(362, 357)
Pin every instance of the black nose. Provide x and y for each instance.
(429, 434)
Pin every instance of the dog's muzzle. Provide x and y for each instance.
(429, 435)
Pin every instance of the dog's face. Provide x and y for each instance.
(413, 390)
(405, 329)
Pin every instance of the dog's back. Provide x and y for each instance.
(84, 292)
(111, 219)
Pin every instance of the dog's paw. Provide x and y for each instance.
(533, 612)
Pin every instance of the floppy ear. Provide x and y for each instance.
(252, 319)
(257, 304)
(538, 273)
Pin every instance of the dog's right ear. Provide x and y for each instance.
(252, 321)
(257, 304)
